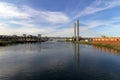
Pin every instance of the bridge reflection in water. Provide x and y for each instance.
(102, 49)
(76, 49)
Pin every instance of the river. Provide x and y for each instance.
(58, 61)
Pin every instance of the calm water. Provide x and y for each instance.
(58, 61)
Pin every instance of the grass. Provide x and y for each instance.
(111, 46)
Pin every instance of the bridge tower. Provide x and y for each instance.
(76, 30)
(77, 24)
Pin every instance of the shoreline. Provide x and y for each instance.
(5, 43)
(110, 46)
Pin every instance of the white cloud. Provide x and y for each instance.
(109, 28)
(8, 10)
(62, 32)
(97, 6)
(33, 30)
(47, 16)
(44, 30)
(22, 23)
(29, 20)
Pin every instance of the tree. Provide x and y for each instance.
(103, 36)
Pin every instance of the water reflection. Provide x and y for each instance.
(56, 61)
(24, 61)
(107, 50)
(76, 51)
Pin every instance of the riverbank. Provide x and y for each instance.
(4, 43)
(111, 46)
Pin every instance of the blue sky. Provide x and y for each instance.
(57, 17)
